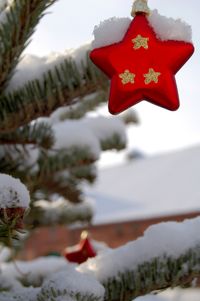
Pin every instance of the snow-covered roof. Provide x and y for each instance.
(155, 186)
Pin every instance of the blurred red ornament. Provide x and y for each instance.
(81, 252)
(13, 216)
(142, 67)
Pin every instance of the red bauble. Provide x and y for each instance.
(13, 216)
(81, 252)
(142, 67)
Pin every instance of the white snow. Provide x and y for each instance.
(33, 67)
(53, 272)
(157, 241)
(99, 246)
(113, 30)
(30, 155)
(88, 133)
(150, 298)
(57, 273)
(25, 294)
(169, 28)
(55, 211)
(72, 133)
(9, 283)
(5, 254)
(74, 282)
(13, 193)
(29, 294)
(3, 5)
(104, 127)
(4, 9)
(173, 295)
(156, 186)
(56, 116)
(110, 31)
(35, 270)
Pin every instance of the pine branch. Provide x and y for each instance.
(59, 185)
(114, 142)
(20, 161)
(60, 86)
(44, 213)
(7, 164)
(70, 285)
(39, 134)
(64, 159)
(154, 262)
(54, 175)
(158, 274)
(15, 32)
(85, 172)
(87, 104)
(15, 161)
(130, 117)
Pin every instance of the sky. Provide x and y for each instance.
(70, 24)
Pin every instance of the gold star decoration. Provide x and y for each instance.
(140, 41)
(152, 76)
(127, 77)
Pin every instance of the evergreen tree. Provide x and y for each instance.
(52, 153)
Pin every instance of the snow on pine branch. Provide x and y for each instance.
(79, 108)
(33, 67)
(178, 294)
(62, 212)
(88, 132)
(13, 194)
(3, 5)
(35, 271)
(103, 128)
(72, 133)
(23, 294)
(27, 156)
(4, 9)
(170, 239)
(109, 31)
(113, 30)
(71, 284)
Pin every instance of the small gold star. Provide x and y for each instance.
(152, 76)
(140, 41)
(127, 77)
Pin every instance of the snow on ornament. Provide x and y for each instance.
(14, 201)
(144, 58)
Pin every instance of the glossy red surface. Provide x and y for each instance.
(81, 252)
(164, 57)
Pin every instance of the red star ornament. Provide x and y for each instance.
(81, 252)
(142, 67)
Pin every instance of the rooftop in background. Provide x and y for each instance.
(148, 187)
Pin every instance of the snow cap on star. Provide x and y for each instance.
(136, 67)
(113, 30)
